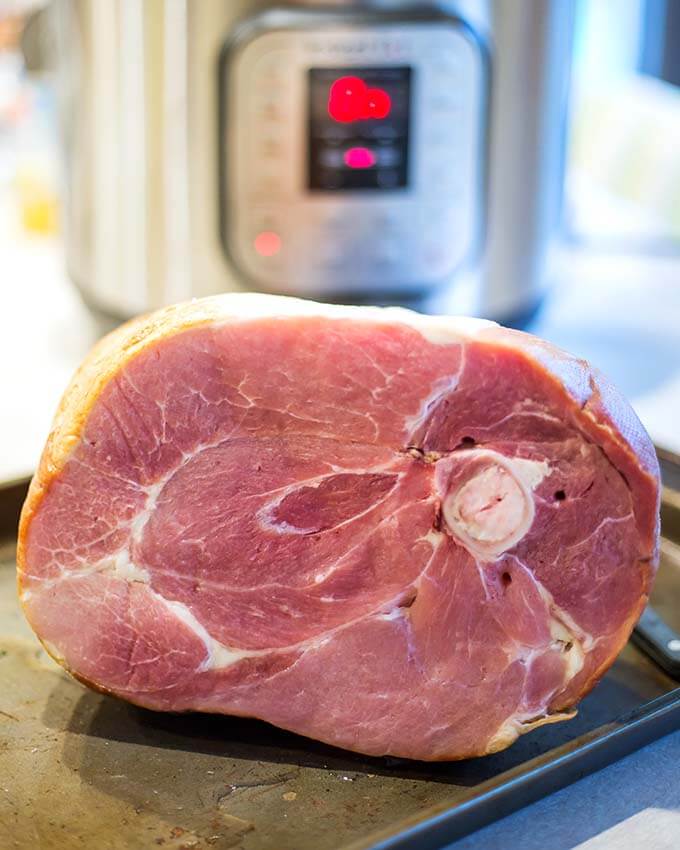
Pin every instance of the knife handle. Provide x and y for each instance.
(659, 641)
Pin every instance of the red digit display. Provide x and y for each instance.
(350, 99)
(378, 103)
(358, 128)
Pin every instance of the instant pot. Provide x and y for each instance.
(355, 151)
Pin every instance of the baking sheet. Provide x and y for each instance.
(81, 770)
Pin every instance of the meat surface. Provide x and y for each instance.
(397, 534)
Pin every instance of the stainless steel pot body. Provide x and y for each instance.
(157, 153)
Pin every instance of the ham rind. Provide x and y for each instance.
(398, 534)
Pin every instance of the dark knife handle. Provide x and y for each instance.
(659, 641)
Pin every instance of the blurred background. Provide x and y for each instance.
(518, 161)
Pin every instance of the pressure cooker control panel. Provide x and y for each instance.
(352, 158)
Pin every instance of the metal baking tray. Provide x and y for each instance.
(79, 769)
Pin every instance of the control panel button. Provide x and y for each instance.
(332, 158)
(273, 69)
(271, 147)
(265, 237)
(271, 110)
(388, 179)
(268, 186)
(267, 243)
(388, 157)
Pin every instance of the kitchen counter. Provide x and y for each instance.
(598, 308)
(633, 804)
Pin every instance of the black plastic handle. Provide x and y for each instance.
(659, 641)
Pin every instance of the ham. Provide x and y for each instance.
(398, 534)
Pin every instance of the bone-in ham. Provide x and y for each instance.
(398, 534)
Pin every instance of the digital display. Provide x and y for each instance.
(359, 128)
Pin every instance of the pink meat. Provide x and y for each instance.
(393, 536)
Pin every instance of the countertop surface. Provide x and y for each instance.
(620, 313)
(630, 805)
